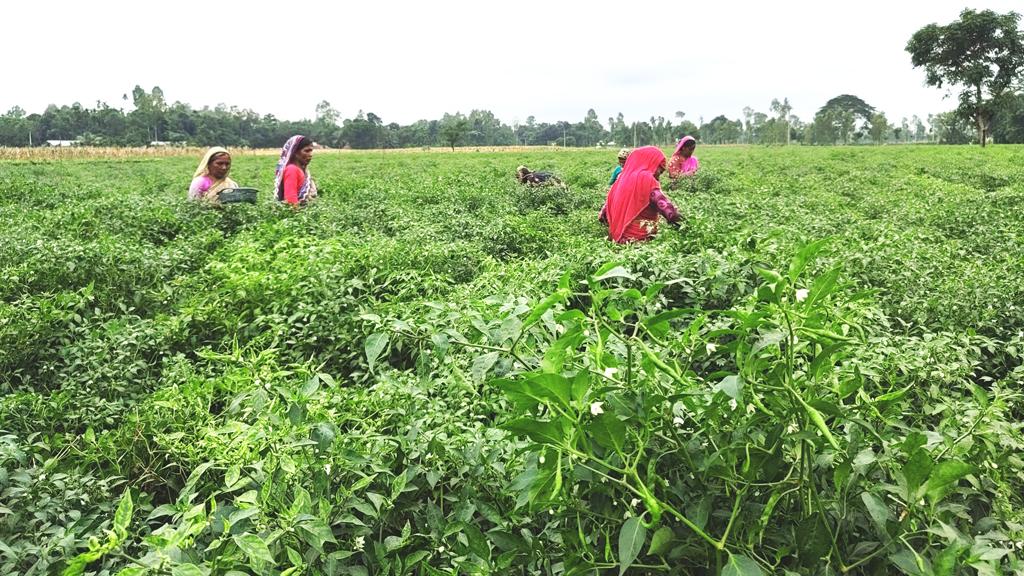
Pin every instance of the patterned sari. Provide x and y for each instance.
(308, 189)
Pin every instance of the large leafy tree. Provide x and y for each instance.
(981, 54)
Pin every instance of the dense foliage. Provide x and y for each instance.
(435, 371)
(845, 119)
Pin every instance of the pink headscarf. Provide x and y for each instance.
(678, 165)
(631, 193)
(683, 141)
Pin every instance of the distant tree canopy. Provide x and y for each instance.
(149, 118)
(981, 53)
(842, 119)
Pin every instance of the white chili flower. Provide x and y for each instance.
(733, 404)
(678, 421)
(751, 409)
(609, 372)
(358, 543)
(540, 459)
(801, 294)
(596, 408)
(711, 347)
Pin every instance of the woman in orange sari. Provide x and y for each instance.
(635, 200)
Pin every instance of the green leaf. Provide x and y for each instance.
(609, 271)
(189, 570)
(441, 343)
(374, 346)
(188, 491)
(540, 389)
(907, 562)
(631, 540)
(731, 385)
(944, 477)
(544, 481)
(317, 533)
(482, 365)
(323, 434)
(392, 543)
(539, 431)
(878, 512)
(608, 431)
(823, 286)
(415, 558)
(554, 356)
(771, 276)
(123, 515)
(661, 541)
(741, 565)
(231, 476)
(580, 386)
(546, 304)
(915, 471)
(803, 257)
(946, 561)
(254, 547)
(885, 399)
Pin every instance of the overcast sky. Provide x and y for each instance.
(407, 60)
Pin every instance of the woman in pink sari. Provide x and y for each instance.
(635, 200)
(683, 162)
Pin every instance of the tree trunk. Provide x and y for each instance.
(979, 117)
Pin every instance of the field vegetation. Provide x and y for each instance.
(433, 370)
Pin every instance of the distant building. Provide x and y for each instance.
(60, 143)
(160, 143)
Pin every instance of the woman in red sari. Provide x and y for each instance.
(635, 200)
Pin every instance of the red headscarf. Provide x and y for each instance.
(631, 193)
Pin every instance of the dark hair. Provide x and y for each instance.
(217, 155)
(302, 143)
(690, 144)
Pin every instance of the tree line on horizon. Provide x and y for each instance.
(980, 55)
(845, 119)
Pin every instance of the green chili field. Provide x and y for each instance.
(433, 370)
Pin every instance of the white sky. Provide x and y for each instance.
(407, 60)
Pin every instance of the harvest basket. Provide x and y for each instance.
(236, 195)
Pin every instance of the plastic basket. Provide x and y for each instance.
(236, 195)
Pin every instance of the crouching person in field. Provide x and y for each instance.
(635, 200)
(211, 176)
(683, 162)
(292, 182)
(534, 179)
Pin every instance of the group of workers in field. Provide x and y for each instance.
(631, 210)
(635, 200)
(292, 182)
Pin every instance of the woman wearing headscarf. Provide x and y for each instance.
(623, 154)
(292, 182)
(635, 200)
(683, 162)
(211, 175)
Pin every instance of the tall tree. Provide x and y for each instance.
(879, 127)
(981, 53)
(454, 129)
(783, 109)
